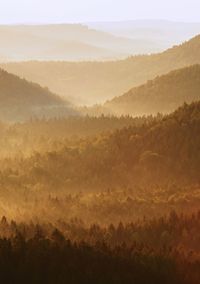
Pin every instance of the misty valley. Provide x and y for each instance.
(100, 153)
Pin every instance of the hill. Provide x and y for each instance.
(21, 99)
(65, 42)
(96, 82)
(163, 94)
(164, 33)
(160, 152)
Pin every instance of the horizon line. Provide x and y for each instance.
(98, 21)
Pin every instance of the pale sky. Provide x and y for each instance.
(60, 11)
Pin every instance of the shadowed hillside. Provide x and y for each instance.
(95, 82)
(21, 99)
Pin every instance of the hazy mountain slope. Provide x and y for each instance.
(163, 94)
(162, 32)
(95, 82)
(31, 43)
(82, 33)
(65, 42)
(21, 99)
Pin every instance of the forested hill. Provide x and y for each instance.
(18, 91)
(155, 153)
(163, 94)
(96, 82)
(21, 99)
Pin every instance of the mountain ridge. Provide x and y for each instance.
(87, 83)
(21, 99)
(163, 94)
(42, 42)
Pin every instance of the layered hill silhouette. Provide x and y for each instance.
(96, 82)
(163, 94)
(163, 33)
(71, 42)
(21, 100)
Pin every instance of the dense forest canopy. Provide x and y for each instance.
(149, 151)
(135, 220)
(50, 134)
(154, 251)
(154, 152)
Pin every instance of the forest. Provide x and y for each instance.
(161, 249)
(132, 161)
(115, 198)
(148, 151)
(101, 199)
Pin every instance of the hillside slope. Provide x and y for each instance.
(21, 99)
(66, 42)
(96, 82)
(159, 152)
(163, 94)
(164, 32)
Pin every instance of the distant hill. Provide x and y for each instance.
(20, 99)
(163, 94)
(163, 33)
(96, 82)
(48, 43)
(71, 42)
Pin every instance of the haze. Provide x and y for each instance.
(99, 141)
(51, 11)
